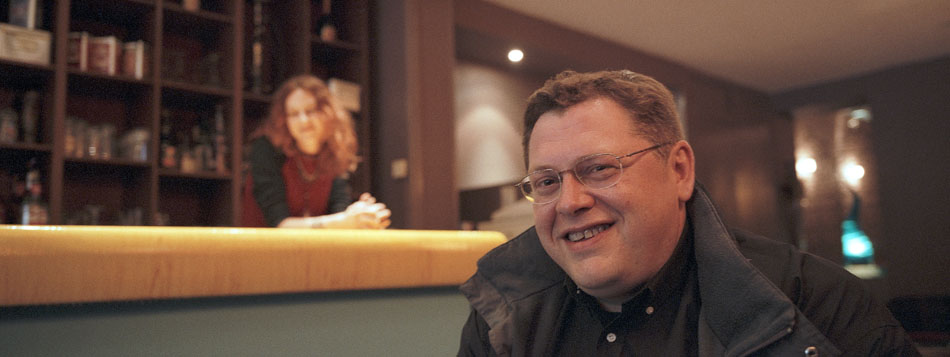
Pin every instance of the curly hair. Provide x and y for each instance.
(649, 102)
(338, 155)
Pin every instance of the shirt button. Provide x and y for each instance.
(611, 337)
(649, 310)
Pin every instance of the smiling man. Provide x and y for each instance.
(628, 255)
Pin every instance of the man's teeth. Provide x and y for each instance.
(587, 233)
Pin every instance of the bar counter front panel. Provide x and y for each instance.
(79, 290)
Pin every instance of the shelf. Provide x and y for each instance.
(176, 88)
(336, 45)
(127, 13)
(179, 15)
(26, 148)
(189, 200)
(200, 175)
(117, 162)
(13, 70)
(101, 80)
(196, 61)
(257, 98)
(120, 101)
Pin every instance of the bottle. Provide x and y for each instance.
(257, 48)
(325, 25)
(220, 141)
(201, 149)
(69, 138)
(188, 151)
(34, 210)
(8, 126)
(207, 152)
(32, 176)
(79, 132)
(30, 115)
(107, 141)
(169, 158)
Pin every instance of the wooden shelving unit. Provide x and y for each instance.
(197, 60)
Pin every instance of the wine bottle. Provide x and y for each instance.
(34, 210)
(220, 139)
(8, 125)
(169, 158)
(30, 116)
(326, 25)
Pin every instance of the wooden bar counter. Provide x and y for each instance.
(72, 264)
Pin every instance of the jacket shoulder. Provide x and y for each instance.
(519, 267)
(838, 303)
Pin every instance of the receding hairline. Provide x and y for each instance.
(649, 103)
(634, 127)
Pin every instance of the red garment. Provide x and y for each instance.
(303, 198)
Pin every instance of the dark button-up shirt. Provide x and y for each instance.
(660, 320)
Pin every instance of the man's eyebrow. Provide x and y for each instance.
(538, 168)
(569, 166)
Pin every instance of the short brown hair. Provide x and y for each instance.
(649, 102)
(338, 155)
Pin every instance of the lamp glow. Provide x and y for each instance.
(515, 55)
(852, 173)
(806, 167)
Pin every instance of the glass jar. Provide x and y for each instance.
(135, 144)
(8, 126)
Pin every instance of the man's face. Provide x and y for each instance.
(635, 224)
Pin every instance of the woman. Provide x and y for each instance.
(299, 161)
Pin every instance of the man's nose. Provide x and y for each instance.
(574, 197)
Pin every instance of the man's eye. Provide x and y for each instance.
(596, 168)
(546, 182)
(599, 172)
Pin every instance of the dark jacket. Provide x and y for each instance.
(759, 297)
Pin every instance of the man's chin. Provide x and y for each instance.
(593, 281)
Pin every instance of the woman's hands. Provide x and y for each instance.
(366, 213)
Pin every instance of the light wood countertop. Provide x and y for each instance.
(68, 264)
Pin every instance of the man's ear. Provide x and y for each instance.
(682, 164)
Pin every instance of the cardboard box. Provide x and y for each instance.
(25, 13)
(104, 53)
(77, 51)
(346, 92)
(133, 59)
(24, 45)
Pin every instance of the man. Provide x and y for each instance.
(628, 255)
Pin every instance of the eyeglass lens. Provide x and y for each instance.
(598, 171)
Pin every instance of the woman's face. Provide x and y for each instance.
(305, 121)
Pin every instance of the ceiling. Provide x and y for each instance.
(771, 46)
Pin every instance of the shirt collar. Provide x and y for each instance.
(661, 287)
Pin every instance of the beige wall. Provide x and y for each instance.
(745, 179)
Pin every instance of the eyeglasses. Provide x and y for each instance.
(595, 171)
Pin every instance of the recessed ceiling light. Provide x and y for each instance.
(515, 55)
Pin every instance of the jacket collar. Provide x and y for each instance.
(741, 306)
